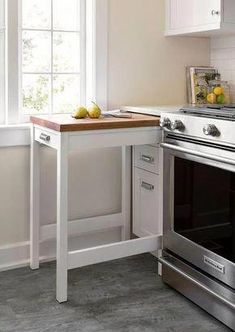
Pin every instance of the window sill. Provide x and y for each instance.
(19, 126)
(15, 135)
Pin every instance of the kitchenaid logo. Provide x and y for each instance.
(217, 266)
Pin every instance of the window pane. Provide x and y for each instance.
(36, 51)
(66, 52)
(66, 15)
(45, 60)
(36, 93)
(36, 14)
(2, 76)
(66, 93)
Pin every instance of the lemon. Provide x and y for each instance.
(220, 99)
(218, 90)
(211, 98)
(80, 113)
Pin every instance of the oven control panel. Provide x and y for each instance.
(199, 127)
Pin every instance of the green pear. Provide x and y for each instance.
(80, 113)
(94, 111)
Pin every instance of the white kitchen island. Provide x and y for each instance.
(65, 135)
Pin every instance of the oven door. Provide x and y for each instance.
(199, 205)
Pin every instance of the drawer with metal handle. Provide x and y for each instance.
(146, 203)
(147, 157)
(46, 137)
(147, 186)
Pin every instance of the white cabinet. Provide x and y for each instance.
(146, 191)
(200, 17)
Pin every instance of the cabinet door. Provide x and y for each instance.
(146, 213)
(206, 12)
(180, 13)
(193, 14)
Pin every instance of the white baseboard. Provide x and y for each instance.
(17, 255)
(14, 256)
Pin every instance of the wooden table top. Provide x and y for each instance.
(65, 122)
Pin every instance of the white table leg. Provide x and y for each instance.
(62, 220)
(126, 192)
(34, 202)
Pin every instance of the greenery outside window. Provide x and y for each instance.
(52, 55)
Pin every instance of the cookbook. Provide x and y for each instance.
(198, 79)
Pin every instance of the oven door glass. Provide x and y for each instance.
(204, 206)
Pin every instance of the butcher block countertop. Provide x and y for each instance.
(65, 123)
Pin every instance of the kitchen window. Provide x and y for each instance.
(53, 55)
(51, 64)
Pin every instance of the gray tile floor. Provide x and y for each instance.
(123, 295)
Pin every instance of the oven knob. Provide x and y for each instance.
(211, 130)
(177, 125)
(165, 123)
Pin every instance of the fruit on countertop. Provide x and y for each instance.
(80, 113)
(94, 111)
(211, 98)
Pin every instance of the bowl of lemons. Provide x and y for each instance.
(218, 93)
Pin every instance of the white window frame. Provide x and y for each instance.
(12, 108)
(3, 31)
(97, 50)
(94, 62)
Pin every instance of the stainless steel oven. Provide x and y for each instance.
(199, 205)
(199, 210)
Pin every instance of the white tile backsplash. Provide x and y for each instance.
(222, 42)
(223, 58)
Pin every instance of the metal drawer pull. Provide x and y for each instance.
(147, 186)
(45, 137)
(147, 159)
(214, 12)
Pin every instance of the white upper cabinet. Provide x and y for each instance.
(200, 17)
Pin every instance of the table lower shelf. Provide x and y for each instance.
(114, 251)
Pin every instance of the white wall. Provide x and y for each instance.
(144, 68)
(88, 170)
(223, 58)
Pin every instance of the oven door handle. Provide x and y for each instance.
(197, 154)
(164, 261)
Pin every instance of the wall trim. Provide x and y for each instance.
(16, 255)
(83, 226)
